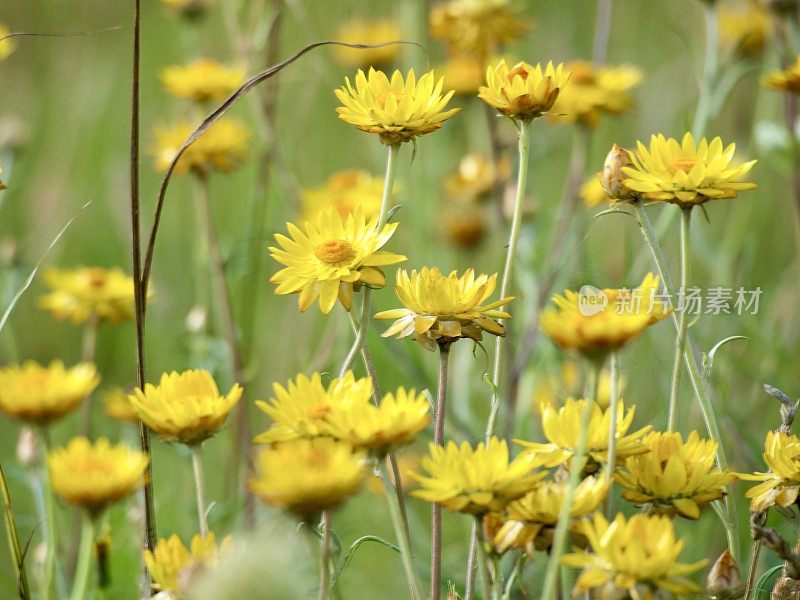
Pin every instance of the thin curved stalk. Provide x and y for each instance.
(613, 402)
(436, 509)
(680, 338)
(576, 466)
(14, 547)
(50, 518)
(81, 579)
(199, 487)
(469, 587)
(406, 553)
(710, 68)
(325, 557)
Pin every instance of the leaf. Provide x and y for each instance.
(708, 359)
(393, 210)
(762, 587)
(611, 211)
(17, 553)
(350, 554)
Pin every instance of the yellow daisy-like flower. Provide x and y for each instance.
(221, 148)
(592, 193)
(686, 173)
(594, 91)
(89, 293)
(371, 33)
(475, 178)
(344, 192)
(463, 74)
(532, 518)
(184, 407)
(562, 427)
(781, 484)
(302, 408)
(40, 394)
(522, 91)
(674, 476)
(118, 406)
(378, 429)
(596, 321)
(202, 80)
(638, 556)
(475, 481)
(397, 110)
(92, 476)
(477, 27)
(308, 476)
(7, 45)
(744, 27)
(787, 80)
(550, 389)
(440, 309)
(331, 257)
(171, 560)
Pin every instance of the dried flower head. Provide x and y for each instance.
(85, 293)
(724, 581)
(522, 91)
(202, 80)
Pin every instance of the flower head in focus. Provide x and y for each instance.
(330, 257)
(222, 148)
(475, 481)
(372, 33)
(202, 80)
(674, 476)
(637, 555)
(344, 192)
(612, 177)
(85, 293)
(781, 484)
(397, 109)
(184, 407)
(94, 475)
(308, 476)
(7, 45)
(171, 562)
(440, 309)
(686, 173)
(37, 394)
(522, 91)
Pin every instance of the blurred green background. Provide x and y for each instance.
(65, 109)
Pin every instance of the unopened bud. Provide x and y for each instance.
(724, 580)
(27, 449)
(612, 179)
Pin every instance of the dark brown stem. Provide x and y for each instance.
(436, 509)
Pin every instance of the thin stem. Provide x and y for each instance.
(710, 67)
(611, 463)
(469, 587)
(752, 571)
(438, 439)
(602, 31)
(406, 553)
(50, 518)
(361, 336)
(14, 547)
(508, 270)
(516, 573)
(325, 557)
(88, 355)
(576, 466)
(199, 487)
(483, 561)
(81, 579)
(680, 339)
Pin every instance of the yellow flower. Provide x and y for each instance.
(203, 80)
(184, 407)
(781, 484)
(592, 193)
(397, 110)
(686, 173)
(89, 293)
(93, 476)
(562, 427)
(439, 309)
(7, 45)
(475, 178)
(39, 394)
(301, 409)
(331, 257)
(475, 481)
(344, 192)
(523, 92)
(533, 517)
(593, 91)
(464, 223)
(638, 556)
(598, 321)
(308, 476)
(478, 27)
(371, 33)
(118, 406)
(673, 475)
(221, 148)
(785, 81)
(744, 27)
(171, 561)
(395, 422)
(463, 74)
(551, 388)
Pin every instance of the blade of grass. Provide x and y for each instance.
(13, 541)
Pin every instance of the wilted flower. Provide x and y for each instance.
(638, 555)
(88, 293)
(6, 45)
(344, 192)
(202, 80)
(674, 476)
(523, 92)
(612, 177)
(40, 394)
(221, 148)
(440, 309)
(308, 476)
(184, 407)
(397, 110)
(171, 561)
(475, 481)
(92, 476)
(331, 257)
(372, 33)
(781, 484)
(686, 173)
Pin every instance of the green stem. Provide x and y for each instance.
(50, 518)
(199, 487)
(611, 459)
(483, 560)
(438, 439)
(325, 557)
(400, 531)
(710, 67)
(508, 270)
(680, 338)
(15, 550)
(576, 466)
(81, 579)
(515, 574)
(361, 335)
(88, 354)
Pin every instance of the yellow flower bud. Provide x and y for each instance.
(612, 178)
(724, 580)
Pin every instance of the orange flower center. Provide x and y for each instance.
(96, 278)
(683, 163)
(518, 70)
(332, 252)
(319, 411)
